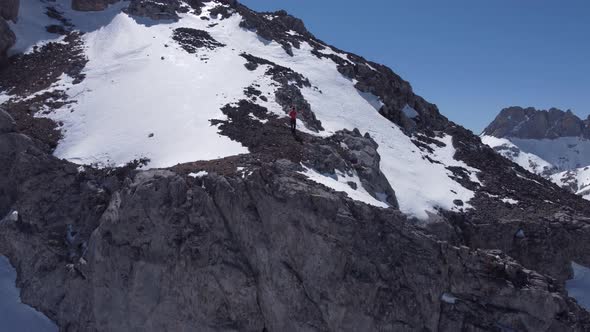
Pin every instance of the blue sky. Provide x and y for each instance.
(471, 58)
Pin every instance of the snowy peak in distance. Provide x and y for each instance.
(553, 144)
(530, 123)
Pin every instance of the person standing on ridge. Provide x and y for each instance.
(293, 116)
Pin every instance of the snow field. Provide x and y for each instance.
(141, 99)
(339, 182)
(565, 153)
(531, 162)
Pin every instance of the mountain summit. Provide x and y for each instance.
(150, 180)
(554, 144)
(530, 123)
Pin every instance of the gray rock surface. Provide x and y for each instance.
(537, 124)
(7, 124)
(7, 39)
(272, 250)
(14, 315)
(9, 9)
(361, 152)
(91, 5)
(154, 9)
(554, 221)
(119, 249)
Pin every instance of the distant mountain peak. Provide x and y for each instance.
(531, 123)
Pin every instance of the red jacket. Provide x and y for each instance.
(293, 114)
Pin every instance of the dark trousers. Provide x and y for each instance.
(293, 124)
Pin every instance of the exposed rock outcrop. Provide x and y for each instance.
(553, 144)
(33, 72)
(537, 124)
(7, 123)
(7, 39)
(191, 40)
(156, 10)
(268, 250)
(9, 9)
(91, 5)
(274, 27)
(510, 199)
(256, 245)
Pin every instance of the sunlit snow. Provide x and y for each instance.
(564, 152)
(531, 162)
(141, 99)
(580, 176)
(339, 182)
(199, 174)
(544, 156)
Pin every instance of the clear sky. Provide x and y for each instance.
(470, 57)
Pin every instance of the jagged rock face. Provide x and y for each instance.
(91, 5)
(191, 39)
(529, 123)
(256, 244)
(512, 199)
(158, 10)
(7, 39)
(9, 9)
(7, 124)
(8, 12)
(272, 26)
(361, 152)
(268, 250)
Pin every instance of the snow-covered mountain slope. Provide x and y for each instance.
(529, 161)
(562, 159)
(144, 96)
(563, 153)
(240, 223)
(576, 180)
(181, 82)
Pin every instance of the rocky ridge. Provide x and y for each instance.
(551, 143)
(233, 242)
(263, 246)
(530, 123)
(8, 12)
